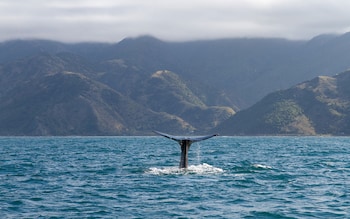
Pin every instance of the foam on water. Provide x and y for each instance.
(201, 169)
(110, 177)
(262, 166)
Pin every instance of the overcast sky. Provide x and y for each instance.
(171, 20)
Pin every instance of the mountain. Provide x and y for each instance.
(178, 87)
(62, 95)
(164, 91)
(320, 106)
(243, 69)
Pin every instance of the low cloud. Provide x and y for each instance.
(111, 21)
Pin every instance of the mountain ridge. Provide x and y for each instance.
(249, 64)
(48, 95)
(140, 84)
(320, 106)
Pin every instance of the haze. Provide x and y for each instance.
(181, 20)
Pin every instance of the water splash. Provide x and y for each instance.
(201, 169)
(204, 169)
(198, 152)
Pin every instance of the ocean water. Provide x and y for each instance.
(138, 177)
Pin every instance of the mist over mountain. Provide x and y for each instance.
(141, 84)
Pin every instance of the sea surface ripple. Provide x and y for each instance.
(138, 177)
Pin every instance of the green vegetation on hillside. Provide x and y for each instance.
(141, 84)
(319, 106)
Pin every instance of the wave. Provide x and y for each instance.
(261, 166)
(201, 169)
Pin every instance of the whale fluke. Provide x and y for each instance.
(185, 143)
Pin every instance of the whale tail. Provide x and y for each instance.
(189, 138)
(185, 143)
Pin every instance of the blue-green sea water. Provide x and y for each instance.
(138, 177)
